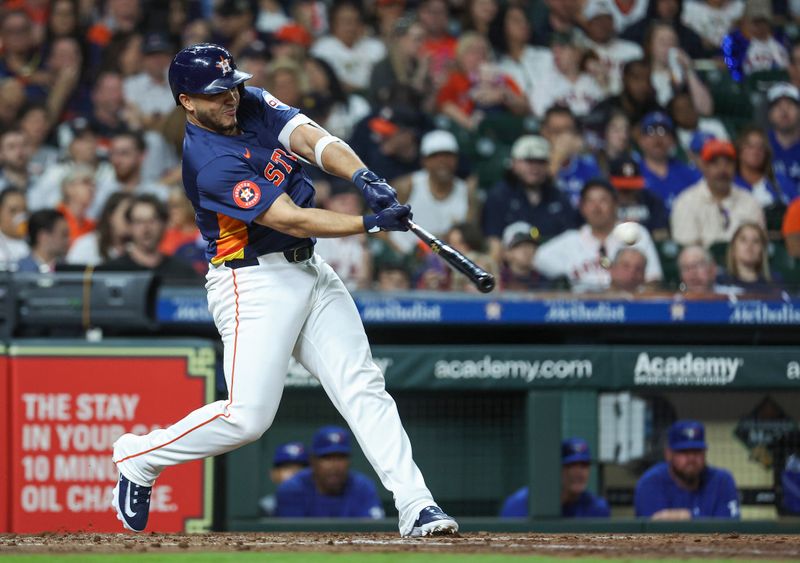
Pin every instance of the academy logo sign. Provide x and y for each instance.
(524, 370)
(686, 370)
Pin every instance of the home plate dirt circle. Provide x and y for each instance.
(705, 546)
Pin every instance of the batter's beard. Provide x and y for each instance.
(211, 122)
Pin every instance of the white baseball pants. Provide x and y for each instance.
(264, 313)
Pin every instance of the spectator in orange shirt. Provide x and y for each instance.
(478, 86)
(791, 228)
(77, 194)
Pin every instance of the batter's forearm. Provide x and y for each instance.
(310, 222)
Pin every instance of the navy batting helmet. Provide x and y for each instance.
(204, 69)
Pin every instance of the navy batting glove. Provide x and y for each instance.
(394, 218)
(377, 191)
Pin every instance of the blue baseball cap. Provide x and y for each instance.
(575, 450)
(657, 119)
(291, 452)
(687, 435)
(699, 139)
(331, 440)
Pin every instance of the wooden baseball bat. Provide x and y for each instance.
(482, 279)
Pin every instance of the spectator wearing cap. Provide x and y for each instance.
(627, 271)
(712, 19)
(329, 488)
(752, 46)
(689, 123)
(441, 199)
(754, 170)
(348, 49)
(388, 140)
(695, 147)
(48, 237)
(520, 241)
(477, 87)
(570, 165)
(148, 93)
(683, 486)
(783, 114)
(576, 500)
(289, 459)
(584, 255)
(349, 256)
(564, 82)
(527, 194)
(711, 210)
(635, 202)
(664, 175)
(602, 39)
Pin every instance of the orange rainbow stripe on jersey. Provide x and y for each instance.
(231, 241)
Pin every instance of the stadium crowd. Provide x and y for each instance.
(521, 132)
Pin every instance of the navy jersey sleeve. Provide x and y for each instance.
(726, 502)
(290, 499)
(650, 496)
(279, 118)
(229, 186)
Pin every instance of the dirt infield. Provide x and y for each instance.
(712, 546)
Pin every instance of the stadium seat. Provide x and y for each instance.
(718, 251)
(668, 251)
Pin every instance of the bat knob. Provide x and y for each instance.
(485, 283)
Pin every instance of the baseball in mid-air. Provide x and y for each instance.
(627, 232)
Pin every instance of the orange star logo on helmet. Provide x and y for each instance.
(224, 65)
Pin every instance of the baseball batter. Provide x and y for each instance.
(270, 295)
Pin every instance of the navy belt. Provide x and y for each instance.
(293, 255)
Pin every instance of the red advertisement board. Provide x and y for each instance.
(69, 405)
(5, 446)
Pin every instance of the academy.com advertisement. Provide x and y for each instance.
(66, 412)
(600, 367)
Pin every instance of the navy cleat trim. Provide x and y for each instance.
(432, 521)
(132, 503)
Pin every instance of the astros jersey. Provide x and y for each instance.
(587, 506)
(231, 180)
(716, 497)
(298, 497)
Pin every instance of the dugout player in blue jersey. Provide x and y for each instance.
(271, 296)
(684, 487)
(576, 501)
(329, 488)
